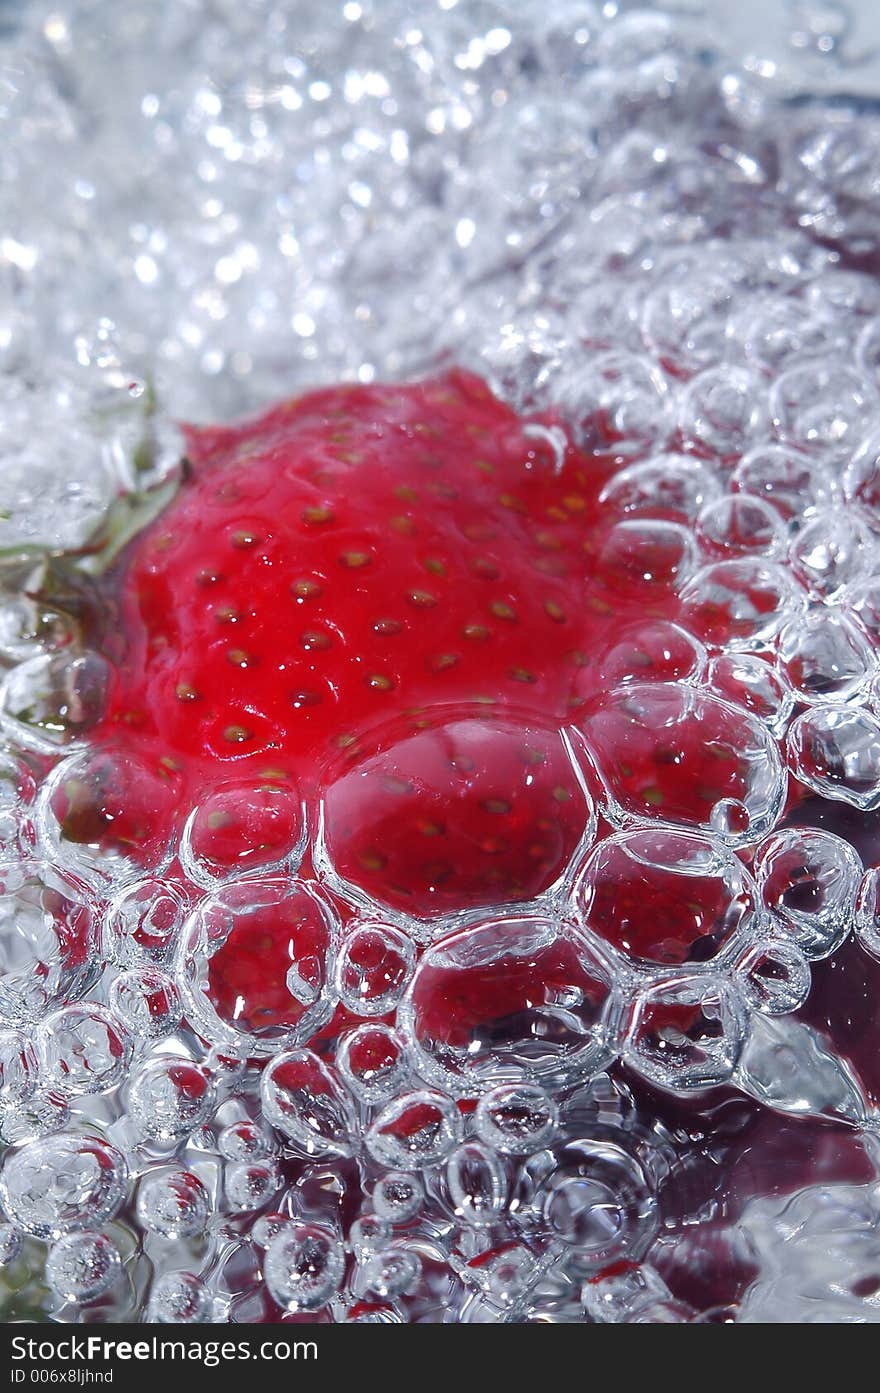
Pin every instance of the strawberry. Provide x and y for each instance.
(392, 598)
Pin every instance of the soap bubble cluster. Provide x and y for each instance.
(454, 1110)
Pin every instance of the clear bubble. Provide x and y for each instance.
(303, 1266)
(292, 928)
(516, 1118)
(667, 485)
(686, 1032)
(392, 1272)
(173, 1203)
(836, 752)
(374, 965)
(244, 1141)
(178, 1298)
(398, 1196)
(648, 744)
(169, 1097)
(830, 553)
(96, 805)
(775, 977)
(740, 604)
(303, 1099)
(47, 941)
(822, 408)
(250, 1184)
(143, 922)
(83, 1048)
(372, 1061)
(82, 1266)
(147, 1001)
(19, 1068)
(517, 999)
(477, 1184)
(809, 880)
(722, 412)
(369, 1235)
(824, 657)
(420, 1128)
(600, 1203)
(243, 830)
(62, 1184)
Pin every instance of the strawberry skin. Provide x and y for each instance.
(351, 560)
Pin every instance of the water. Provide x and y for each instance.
(646, 1090)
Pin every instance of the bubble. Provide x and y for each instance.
(775, 977)
(755, 684)
(62, 1184)
(48, 701)
(418, 1128)
(614, 1297)
(740, 525)
(398, 1196)
(663, 896)
(147, 1001)
(516, 1118)
(685, 319)
(173, 1203)
(266, 1227)
(143, 922)
(507, 1274)
(649, 744)
(374, 965)
(867, 921)
(178, 1298)
(809, 881)
(793, 483)
(656, 651)
(82, 1266)
(616, 398)
(243, 830)
(45, 1112)
(824, 658)
(677, 486)
(305, 1102)
(459, 815)
(600, 1203)
(830, 553)
(722, 411)
(369, 1235)
(16, 794)
(83, 1049)
(477, 1184)
(822, 408)
(169, 1097)
(250, 1184)
(96, 805)
(18, 1068)
(685, 1032)
(372, 1061)
(517, 999)
(647, 552)
(392, 1272)
(285, 928)
(303, 1266)
(244, 1141)
(47, 941)
(740, 604)
(836, 753)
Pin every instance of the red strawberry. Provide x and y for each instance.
(389, 602)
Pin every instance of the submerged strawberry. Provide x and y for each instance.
(371, 635)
